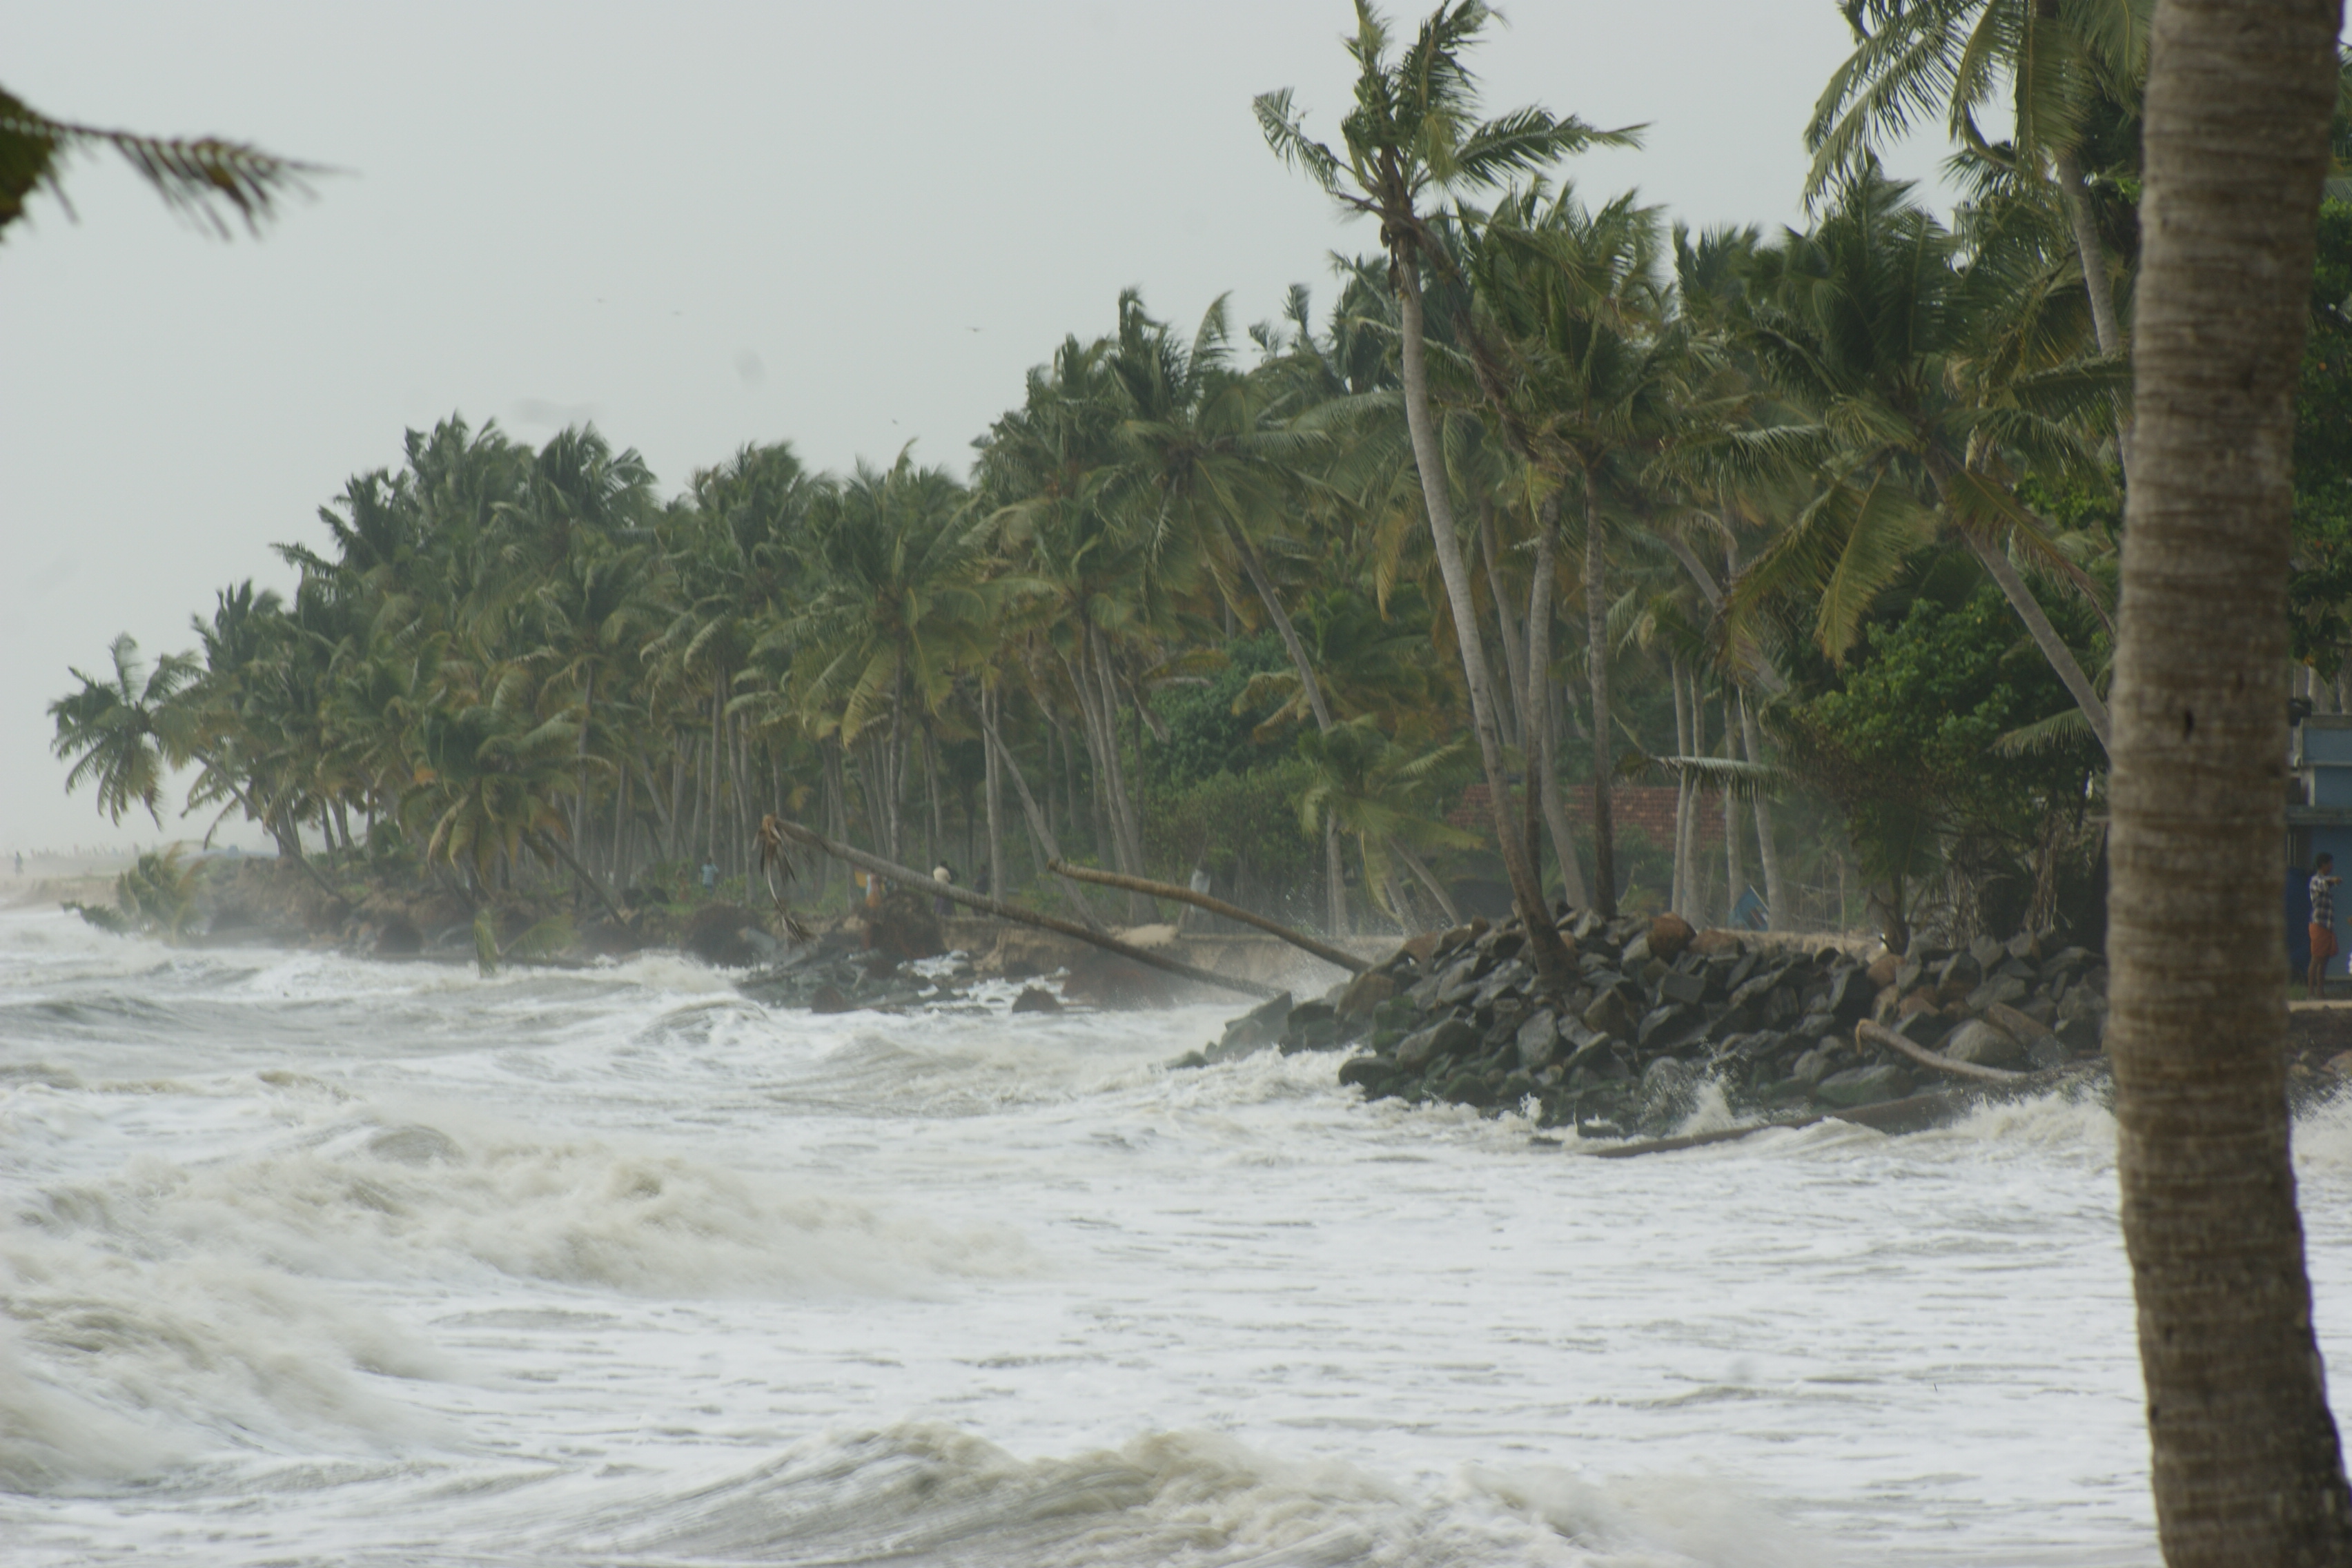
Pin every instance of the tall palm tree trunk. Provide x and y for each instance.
(1777, 912)
(992, 788)
(1514, 662)
(1335, 883)
(2045, 637)
(1596, 655)
(2247, 1465)
(1544, 945)
(1681, 898)
(1735, 869)
(1542, 735)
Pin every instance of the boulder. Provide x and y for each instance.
(1686, 988)
(1422, 1047)
(1036, 999)
(1669, 934)
(1864, 1086)
(1664, 1028)
(1537, 1041)
(1261, 1025)
(1716, 943)
(1364, 993)
(1985, 1046)
(1373, 1073)
(2001, 989)
(1883, 969)
(1611, 1013)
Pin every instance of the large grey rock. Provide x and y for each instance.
(1864, 1086)
(1985, 1046)
(1685, 988)
(1664, 1028)
(1814, 1064)
(1510, 978)
(1987, 951)
(1538, 1039)
(1422, 1047)
(1260, 1026)
(2001, 988)
(1611, 1013)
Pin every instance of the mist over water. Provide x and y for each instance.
(305, 1258)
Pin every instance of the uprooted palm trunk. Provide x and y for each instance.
(986, 905)
(1299, 940)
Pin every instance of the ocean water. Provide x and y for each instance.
(306, 1259)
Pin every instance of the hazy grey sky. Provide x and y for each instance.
(850, 226)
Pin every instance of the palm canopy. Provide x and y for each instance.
(121, 728)
(1921, 406)
(2046, 63)
(901, 605)
(1413, 129)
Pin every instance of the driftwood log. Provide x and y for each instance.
(1299, 940)
(1002, 910)
(1911, 1114)
(1879, 1035)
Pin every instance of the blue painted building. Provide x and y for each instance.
(2318, 818)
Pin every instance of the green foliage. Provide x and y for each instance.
(1905, 740)
(1209, 732)
(1246, 825)
(156, 896)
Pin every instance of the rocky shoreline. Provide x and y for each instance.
(1658, 1009)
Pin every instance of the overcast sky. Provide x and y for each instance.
(850, 226)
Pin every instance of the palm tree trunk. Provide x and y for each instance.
(1422, 874)
(1735, 869)
(1307, 685)
(1039, 828)
(1551, 963)
(2247, 1464)
(1542, 746)
(1514, 662)
(992, 788)
(2045, 637)
(1681, 899)
(1767, 849)
(1596, 654)
(1334, 884)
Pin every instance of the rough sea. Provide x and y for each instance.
(306, 1259)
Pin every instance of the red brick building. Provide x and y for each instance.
(1650, 808)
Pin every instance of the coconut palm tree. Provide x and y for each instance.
(2248, 1466)
(1920, 414)
(1414, 133)
(122, 728)
(2063, 71)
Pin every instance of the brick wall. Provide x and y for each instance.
(1650, 808)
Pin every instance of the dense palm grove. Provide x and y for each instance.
(1557, 498)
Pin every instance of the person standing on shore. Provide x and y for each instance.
(2323, 924)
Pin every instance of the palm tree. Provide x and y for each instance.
(2070, 68)
(1413, 131)
(1382, 795)
(1920, 408)
(123, 729)
(1580, 362)
(2247, 1467)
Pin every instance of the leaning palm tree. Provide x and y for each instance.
(1414, 133)
(122, 728)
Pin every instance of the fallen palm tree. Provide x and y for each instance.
(986, 905)
(1299, 940)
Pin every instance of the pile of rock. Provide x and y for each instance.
(1655, 1009)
